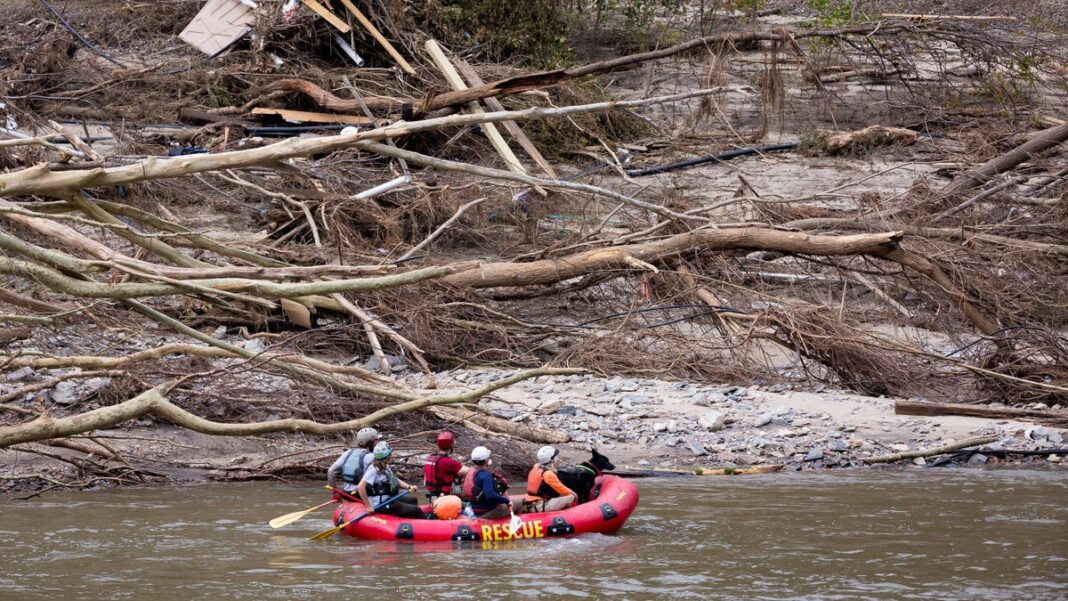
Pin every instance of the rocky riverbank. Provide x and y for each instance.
(651, 423)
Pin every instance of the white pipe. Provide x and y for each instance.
(383, 188)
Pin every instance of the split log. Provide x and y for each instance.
(971, 442)
(925, 408)
(154, 401)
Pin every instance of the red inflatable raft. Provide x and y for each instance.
(605, 514)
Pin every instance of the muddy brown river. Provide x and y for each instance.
(924, 534)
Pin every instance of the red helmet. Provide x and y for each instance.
(445, 440)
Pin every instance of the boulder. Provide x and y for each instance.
(713, 422)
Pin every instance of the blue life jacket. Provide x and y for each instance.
(352, 467)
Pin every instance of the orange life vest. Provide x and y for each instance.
(537, 486)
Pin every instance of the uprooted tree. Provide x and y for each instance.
(755, 277)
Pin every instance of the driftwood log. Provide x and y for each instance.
(1045, 416)
(941, 450)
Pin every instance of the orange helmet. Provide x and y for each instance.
(447, 507)
(445, 440)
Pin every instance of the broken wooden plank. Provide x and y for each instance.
(377, 35)
(513, 128)
(311, 117)
(494, 136)
(218, 25)
(330, 17)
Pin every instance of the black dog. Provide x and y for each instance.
(580, 478)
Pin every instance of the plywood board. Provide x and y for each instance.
(219, 24)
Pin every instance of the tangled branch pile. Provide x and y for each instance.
(133, 246)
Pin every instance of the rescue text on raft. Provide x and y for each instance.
(604, 513)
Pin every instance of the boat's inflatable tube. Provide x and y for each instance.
(606, 514)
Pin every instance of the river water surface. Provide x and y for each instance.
(923, 534)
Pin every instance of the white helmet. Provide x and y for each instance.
(480, 454)
(367, 436)
(547, 454)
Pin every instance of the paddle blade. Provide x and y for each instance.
(325, 534)
(515, 524)
(289, 518)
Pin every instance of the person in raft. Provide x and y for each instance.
(440, 470)
(347, 471)
(483, 488)
(545, 492)
(379, 483)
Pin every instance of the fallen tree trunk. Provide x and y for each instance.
(971, 442)
(1043, 140)
(925, 408)
(154, 401)
(550, 271)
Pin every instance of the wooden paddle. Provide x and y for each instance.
(289, 518)
(331, 532)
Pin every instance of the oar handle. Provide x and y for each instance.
(342, 493)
